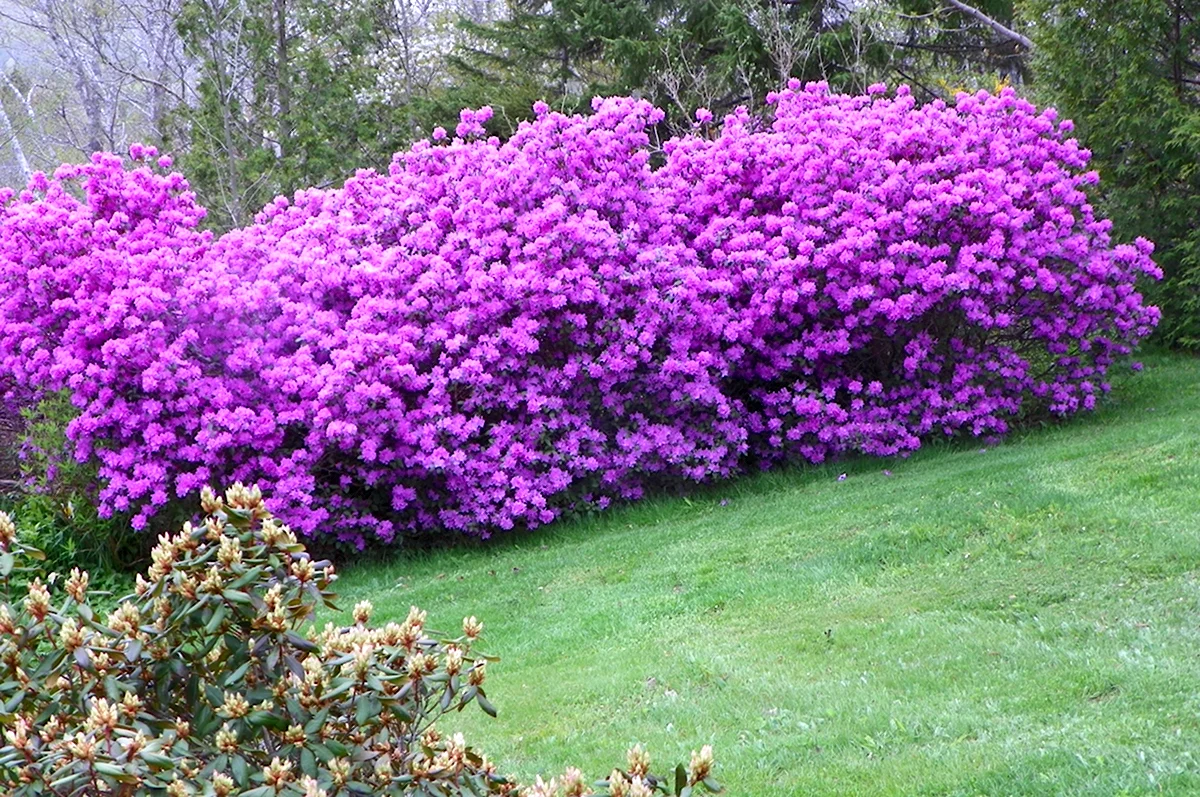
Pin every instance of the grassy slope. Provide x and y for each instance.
(1016, 620)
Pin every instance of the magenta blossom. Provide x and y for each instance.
(492, 333)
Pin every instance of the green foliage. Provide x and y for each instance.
(285, 100)
(719, 54)
(1127, 74)
(945, 44)
(681, 54)
(57, 508)
(293, 93)
(205, 682)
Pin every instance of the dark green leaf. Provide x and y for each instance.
(485, 704)
(368, 707)
(218, 616)
(239, 770)
(301, 642)
(266, 719)
(236, 676)
(237, 596)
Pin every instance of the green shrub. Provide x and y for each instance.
(204, 682)
(57, 507)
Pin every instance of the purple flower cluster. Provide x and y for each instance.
(493, 332)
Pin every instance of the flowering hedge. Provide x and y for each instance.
(493, 332)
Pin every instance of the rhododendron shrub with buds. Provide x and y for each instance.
(205, 682)
(494, 332)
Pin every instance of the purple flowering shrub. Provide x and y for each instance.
(494, 332)
(890, 271)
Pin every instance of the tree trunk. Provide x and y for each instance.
(282, 78)
(8, 132)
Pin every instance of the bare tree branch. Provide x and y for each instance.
(9, 134)
(998, 27)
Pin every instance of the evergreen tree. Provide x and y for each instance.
(1128, 74)
(719, 54)
(298, 93)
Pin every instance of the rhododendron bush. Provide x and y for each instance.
(494, 332)
(213, 680)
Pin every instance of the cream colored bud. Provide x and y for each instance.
(246, 498)
(162, 558)
(18, 735)
(234, 707)
(574, 784)
(213, 529)
(131, 745)
(125, 619)
(223, 785)
(618, 786)
(212, 583)
(456, 751)
(70, 636)
(102, 717)
(701, 764)
(229, 552)
(131, 704)
(339, 770)
(418, 665)
(209, 502)
(541, 788)
(38, 601)
(640, 788)
(226, 739)
(81, 747)
(472, 628)
(312, 788)
(303, 570)
(639, 761)
(477, 674)
(8, 530)
(277, 773)
(77, 585)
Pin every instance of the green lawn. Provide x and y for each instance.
(1016, 620)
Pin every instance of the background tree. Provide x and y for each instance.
(102, 73)
(719, 54)
(1128, 74)
(682, 54)
(262, 97)
(948, 44)
(296, 93)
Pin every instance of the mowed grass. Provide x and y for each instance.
(1018, 619)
